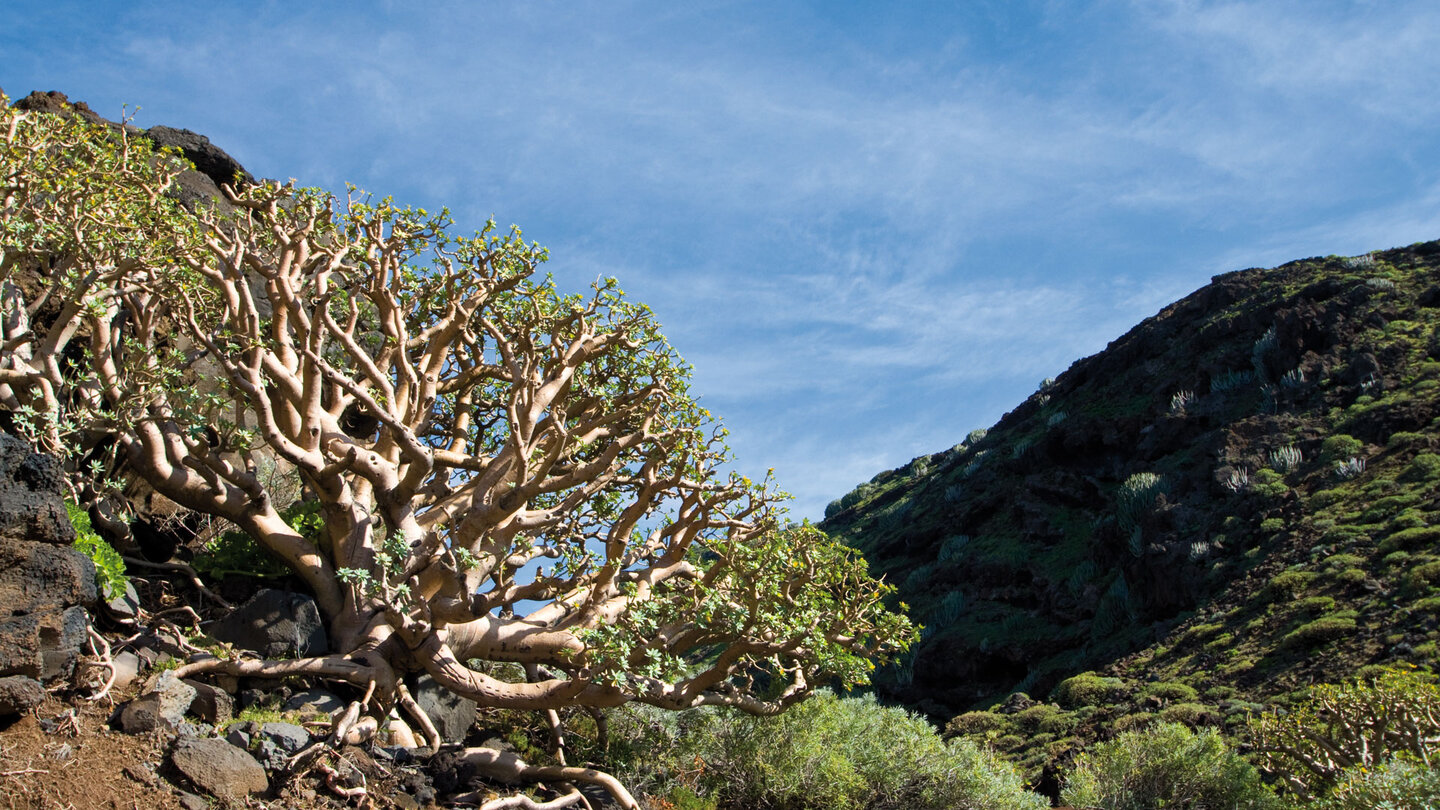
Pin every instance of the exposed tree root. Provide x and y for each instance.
(427, 726)
(100, 648)
(522, 802)
(333, 782)
(332, 666)
(504, 766)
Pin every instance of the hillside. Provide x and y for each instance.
(1239, 497)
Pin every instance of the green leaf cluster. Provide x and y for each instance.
(109, 566)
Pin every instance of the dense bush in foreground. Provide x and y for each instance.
(1166, 766)
(828, 752)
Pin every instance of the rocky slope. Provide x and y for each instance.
(1240, 496)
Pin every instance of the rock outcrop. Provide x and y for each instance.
(46, 587)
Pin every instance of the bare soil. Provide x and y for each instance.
(64, 756)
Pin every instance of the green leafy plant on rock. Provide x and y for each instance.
(109, 566)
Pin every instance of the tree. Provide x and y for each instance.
(1349, 729)
(454, 419)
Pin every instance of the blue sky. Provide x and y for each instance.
(872, 227)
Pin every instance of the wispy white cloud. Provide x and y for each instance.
(870, 231)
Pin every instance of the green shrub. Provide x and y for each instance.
(1411, 539)
(1203, 630)
(826, 752)
(1059, 724)
(109, 566)
(1316, 604)
(975, 723)
(1171, 692)
(1343, 561)
(1351, 576)
(1400, 784)
(859, 494)
(1340, 447)
(1268, 483)
(1326, 628)
(1220, 643)
(1424, 467)
(1396, 559)
(1289, 584)
(1424, 574)
(1408, 519)
(1008, 743)
(1191, 714)
(1030, 720)
(1165, 766)
(1089, 689)
(1404, 438)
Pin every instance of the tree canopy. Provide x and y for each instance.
(493, 470)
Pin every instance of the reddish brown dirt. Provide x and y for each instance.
(81, 765)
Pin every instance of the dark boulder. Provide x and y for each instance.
(45, 586)
(19, 694)
(32, 489)
(213, 166)
(452, 714)
(275, 624)
(56, 102)
(211, 704)
(219, 768)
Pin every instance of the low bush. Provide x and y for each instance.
(1030, 720)
(1326, 628)
(1344, 561)
(1289, 584)
(975, 723)
(1424, 574)
(1089, 689)
(827, 752)
(1424, 467)
(1400, 784)
(1165, 766)
(1410, 539)
(1268, 483)
(1351, 576)
(1171, 692)
(1191, 714)
(1340, 447)
(1315, 604)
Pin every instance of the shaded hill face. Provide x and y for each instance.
(1242, 492)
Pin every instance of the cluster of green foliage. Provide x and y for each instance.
(1166, 766)
(1341, 732)
(1398, 784)
(109, 565)
(828, 752)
